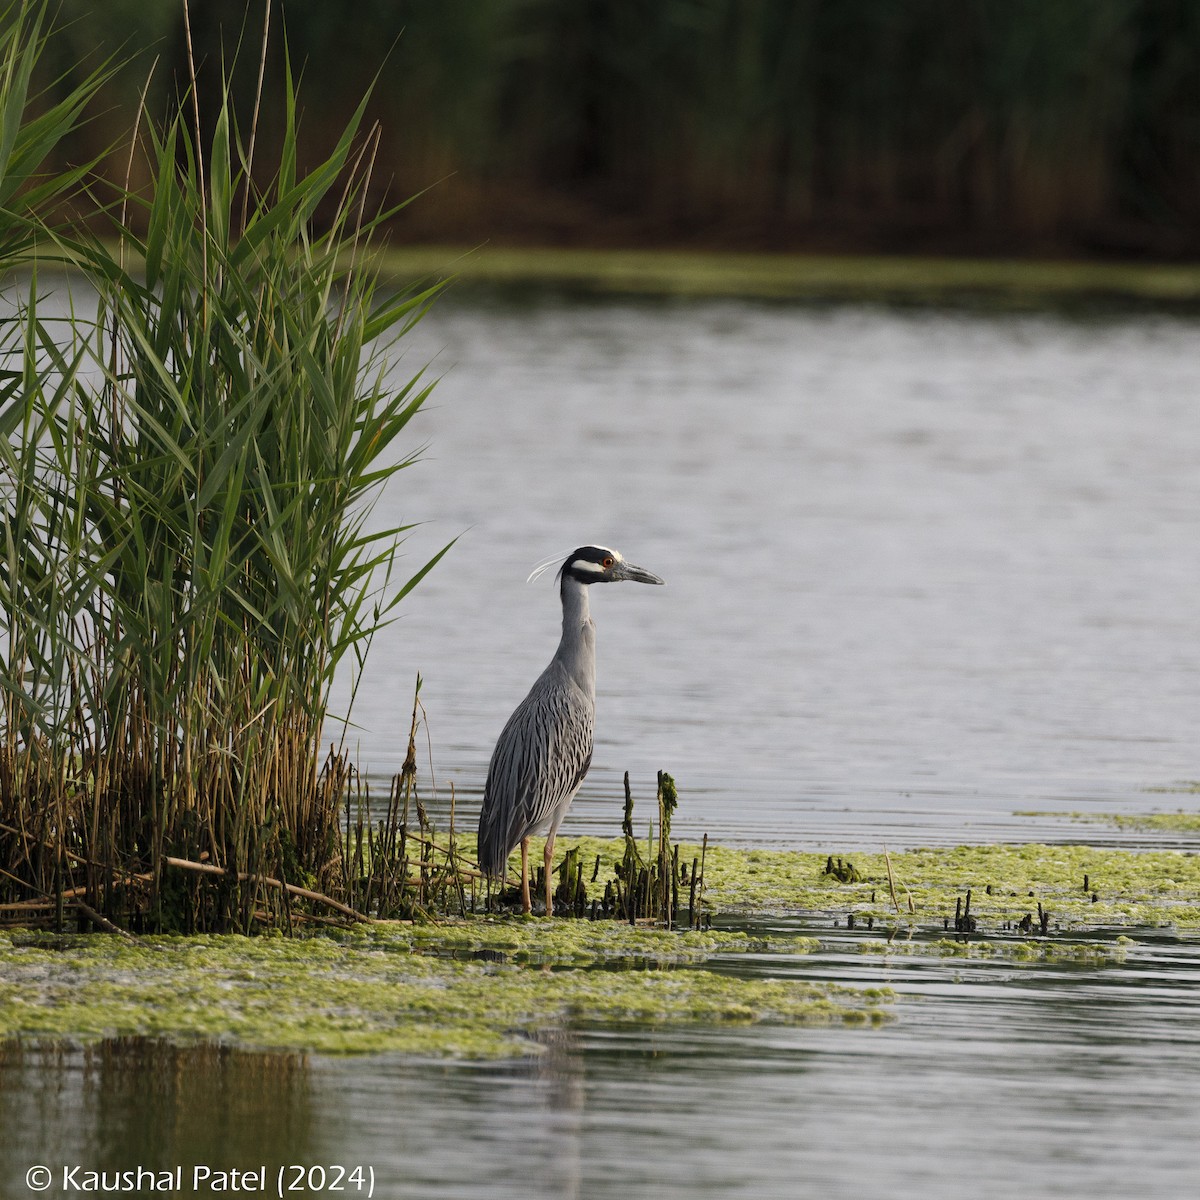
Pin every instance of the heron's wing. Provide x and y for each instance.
(540, 759)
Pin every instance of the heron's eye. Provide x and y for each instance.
(607, 563)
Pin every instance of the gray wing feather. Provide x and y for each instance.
(540, 759)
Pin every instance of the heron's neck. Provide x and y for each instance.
(577, 650)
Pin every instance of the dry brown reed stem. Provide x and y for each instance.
(258, 89)
(186, 864)
(57, 902)
(191, 60)
(133, 145)
(76, 858)
(891, 882)
(102, 921)
(67, 894)
(912, 908)
(466, 872)
(408, 771)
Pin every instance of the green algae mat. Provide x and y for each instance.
(485, 990)
(1073, 888)
(492, 986)
(1060, 889)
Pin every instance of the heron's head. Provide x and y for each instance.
(599, 564)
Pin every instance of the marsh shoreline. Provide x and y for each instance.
(811, 278)
(490, 986)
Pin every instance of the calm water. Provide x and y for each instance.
(925, 570)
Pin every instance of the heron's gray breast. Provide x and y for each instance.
(551, 748)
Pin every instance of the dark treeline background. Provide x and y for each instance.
(983, 126)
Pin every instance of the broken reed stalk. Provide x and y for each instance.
(396, 869)
(667, 862)
(408, 772)
(891, 881)
(674, 887)
(452, 857)
(647, 888)
(184, 864)
(102, 922)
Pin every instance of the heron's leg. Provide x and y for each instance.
(549, 886)
(525, 905)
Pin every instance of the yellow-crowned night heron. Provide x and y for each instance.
(546, 748)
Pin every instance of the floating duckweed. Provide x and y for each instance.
(1166, 822)
(581, 942)
(355, 994)
(1151, 887)
(1006, 884)
(1050, 950)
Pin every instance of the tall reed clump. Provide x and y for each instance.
(33, 588)
(186, 523)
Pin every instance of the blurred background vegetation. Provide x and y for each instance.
(961, 126)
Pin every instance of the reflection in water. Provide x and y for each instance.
(129, 1101)
(540, 1135)
(504, 1129)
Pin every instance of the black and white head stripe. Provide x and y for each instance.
(590, 564)
(595, 564)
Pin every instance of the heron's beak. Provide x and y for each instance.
(624, 570)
